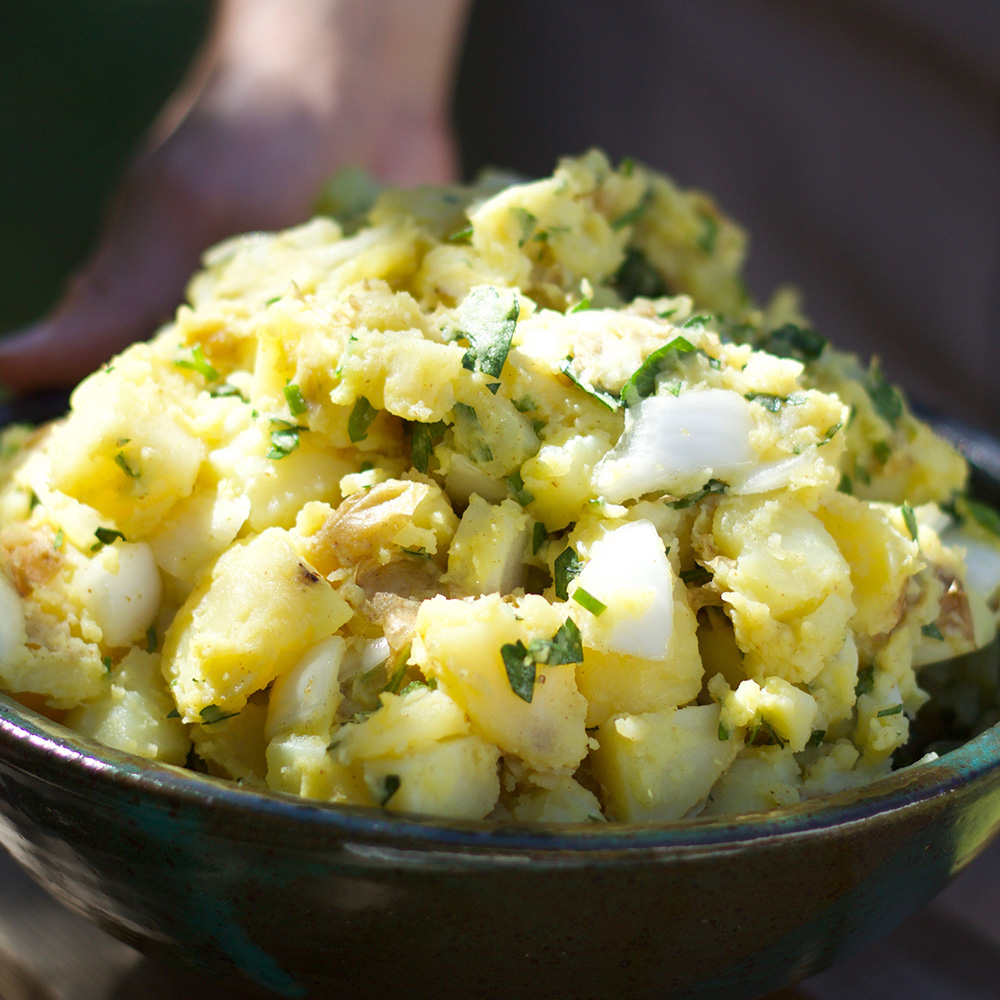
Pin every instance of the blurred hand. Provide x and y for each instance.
(282, 96)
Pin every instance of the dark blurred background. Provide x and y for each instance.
(857, 140)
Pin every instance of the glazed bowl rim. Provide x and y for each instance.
(55, 754)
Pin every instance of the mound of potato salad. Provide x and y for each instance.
(495, 501)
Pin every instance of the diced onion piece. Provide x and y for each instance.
(306, 698)
(667, 438)
(121, 589)
(777, 475)
(628, 571)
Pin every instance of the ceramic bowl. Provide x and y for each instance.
(309, 899)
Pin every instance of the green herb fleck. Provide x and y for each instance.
(520, 667)
(635, 213)
(830, 432)
(895, 710)
(642, 382)
(566, 568)
(399, 670)
(488, 325)
(580, 306)
(712, 486)
(698, 576)
(773, 403)
(516, 486)
(605, 398)
(637, 278)
(390, 785)
(816, 737)
(224, 389)
(588, 602)
(527, 222)
(932, 631)
(284, 438)
(845, 485)
(211, 714)
(57, 542)
(463, 235)
(423, 438)
(296, 401)
(122, 462)
(865, 682)
(887, 401)
(199, 364)
(881, 450)
(910, 520)
(106, 660)
(362, 415)
(538, 537)
(151, 639)
(566, 646)
(708, 234)
(723, 732)
(791, 341)
(986, 517)
(105, 536)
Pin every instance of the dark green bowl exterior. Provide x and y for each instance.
(310, 898)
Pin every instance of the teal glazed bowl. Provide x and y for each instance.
(310, 899)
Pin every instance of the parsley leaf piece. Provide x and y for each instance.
(932, 631)
(642, 382)
(723, 733)
(199, 364)
(791, 341)
(566, 646)
(362, 415)
(816, 737)
(296, 401)
(211, 714)
(605, 398)
(567, 568)
(390, 785)
(224, 389)
(712, 486)
(151, 639)
(830, 432)
(895, 710)
(423, 438)
(845, 485)
(865, 681)
(538, 537)
(488, 325)
(527, 222)
(708, 234)
(520, 667)
(399, 670)
(635, 213)
(588, 602)
(57, 542)
(881, 450)
(910, 520)
(463, 235)
(580, 306)
(697, 576)
(773, 403)
(516, 486)
(105, 536)
(637, 278)
(122, 462)
(887, 401)
(469, 434)
(284, 438)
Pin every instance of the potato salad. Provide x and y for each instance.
(501, 501)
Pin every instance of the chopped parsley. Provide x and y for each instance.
(605, 398)
(521, 661)
(106, 660)
(791, 341)
(211, 714)
(390, 785)
(712, 486)
(887, 401)
(224, 389)
(362, 415)
(423, 438)
(635, 213)
(845, 485)
(932, 631)
(642, 382)
(708, 234)
(567, 568)
(399, 670)
(588, 602)
(57, 542)
(816, 737)
(773, 403)
(152, 641)
(527, 222)
(105, 536)
(520, 667)
(122, 462)
(697, 576)
(723, 732)
(538, 537)
(866, 681)
(470, 435)
(830, 432)
(463, 235)
(910, 520)
(296, 401)
(487, 322)
(580, 306)
(881, 450)
(516, 486)
(894, 710)
(198, 363)
(284, 438)
(637, 278)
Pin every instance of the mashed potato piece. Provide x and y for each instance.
(506, 502)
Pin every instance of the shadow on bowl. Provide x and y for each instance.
(309, 899)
